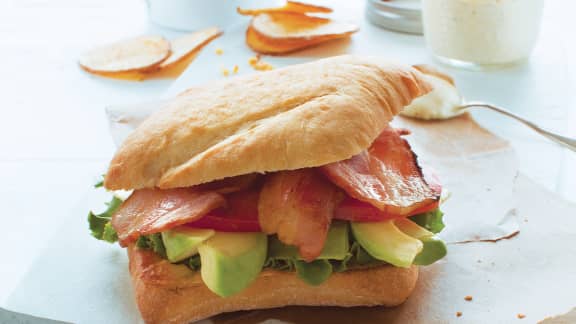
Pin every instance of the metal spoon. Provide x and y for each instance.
(567, 142)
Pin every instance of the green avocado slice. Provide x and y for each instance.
(231, 261)
(433, 250)
(182, 242)
(385, 242)
(335, 248)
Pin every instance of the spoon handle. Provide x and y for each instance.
(567, 142)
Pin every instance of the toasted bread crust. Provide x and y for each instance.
(300, 116)
(168, 293)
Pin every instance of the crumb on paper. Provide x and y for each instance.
(263, 66)
(235, 69)
(520, 316)
(257, 64)
(468, 298)
(225, 72)
(253, 60)
(458, 314)
(219, 51)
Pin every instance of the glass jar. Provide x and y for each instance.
(479, 34)
(398, 15)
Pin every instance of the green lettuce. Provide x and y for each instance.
(99, 184)
(152, 242)
(431, 220)
(193, 262)
(313, 273)
(99, 224)
(356, 258)
(318, 271)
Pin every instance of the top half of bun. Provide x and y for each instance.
(300, 116)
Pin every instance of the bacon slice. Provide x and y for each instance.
(386, 176)
(239, 215)
(232, 184)
(149, 211)
(298, 205)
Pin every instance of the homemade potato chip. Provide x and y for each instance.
(282, 32)
(264, 45)
(139, 54)
(290, 6)
(184, 46)
(282, 25)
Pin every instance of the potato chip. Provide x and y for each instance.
(290, 6)
(279, 33)
(128, 76)
(283, 25)
(138, 54)
(184, 46)
(264, 45)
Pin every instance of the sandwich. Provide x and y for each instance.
(288, 187)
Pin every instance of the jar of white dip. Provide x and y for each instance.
(480, 34)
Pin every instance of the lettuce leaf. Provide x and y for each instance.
(357, 258)
(193, 262)
(99, 224)
(152, 242)
(313, 273)
(280, 264)
(99, 184)
(109, 234)
(431, 220)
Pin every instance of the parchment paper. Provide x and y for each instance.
(81, 280)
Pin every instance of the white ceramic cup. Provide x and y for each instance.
(191, 15)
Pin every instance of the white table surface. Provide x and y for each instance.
(55, 139)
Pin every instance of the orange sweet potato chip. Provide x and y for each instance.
(290, 6)
(282, 32)
(138, 54)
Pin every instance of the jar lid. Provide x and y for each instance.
(398, 15)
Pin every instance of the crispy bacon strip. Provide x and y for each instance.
(233, 184)
(386, 175)
(149, 211)
(298, 205)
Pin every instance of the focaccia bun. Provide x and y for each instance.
(168, 293)
(300, 116)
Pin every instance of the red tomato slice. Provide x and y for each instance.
(240, 215)
(351, 209)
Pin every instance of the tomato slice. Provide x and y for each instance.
(240, 215)
(351, 209)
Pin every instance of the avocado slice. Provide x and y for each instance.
(183, 242)
(433, 250)
(411, 228)
(231, 261)
(385, 242)
(335, 248)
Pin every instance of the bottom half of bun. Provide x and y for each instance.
(168, 293)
